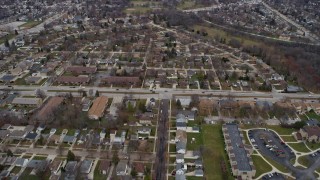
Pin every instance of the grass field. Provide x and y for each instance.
(30, 24)
(214, 153)
(188, 4)
(213, 32)
(313, 146)
(280, 167)
(135, 10)
(281, 130)
(304, 161)
(288, 139)
(261, 165)
(299, 147)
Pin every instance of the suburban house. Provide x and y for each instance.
(104, 166)
(181, 147)
(239, 154)
(139, 168)
(180, 158)
(76, 80)
(122, 168)
(122, 81)
(86, 166)
(81, 70)
(184, 100)
(34, 102)
(310, 133)
(98, 107)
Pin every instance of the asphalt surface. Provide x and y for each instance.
(285, 161)
(160, 163)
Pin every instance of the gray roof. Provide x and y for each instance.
(179, 156)
(198, 172)
(71, 166)
(198, 162)
(181, 145)
(181, 124)
(179, 166)
(85, 166)
(121, 166)
(69, 139)
(20, 161)
(37, 164)
(4, 133)
(240, 153)
(31, 136)
(180, 177)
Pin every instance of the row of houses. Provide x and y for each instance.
(181, 141)
(239, 153)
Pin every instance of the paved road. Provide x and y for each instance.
(167, 93)
(160, 166)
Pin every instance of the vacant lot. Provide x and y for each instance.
(214, 153)
(30, 24)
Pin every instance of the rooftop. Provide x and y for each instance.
(239, 151)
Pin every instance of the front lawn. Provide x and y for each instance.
(261, 165)
(299, 147)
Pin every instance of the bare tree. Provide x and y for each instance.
(41, 94)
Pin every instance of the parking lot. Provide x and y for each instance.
(269, 145)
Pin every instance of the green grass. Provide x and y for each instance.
(39, 158)
(313, 146)
(299, 147)
(30, 24)
(194, 145)
(281, 130)
(213, 32)
(304, 161)
(9, 36)
(214, 152)
(245, 137)
(280, 167)
(15, 170)
(288, 139)
(172, 147)
(189, 4)
(313, 115)
(261, 165)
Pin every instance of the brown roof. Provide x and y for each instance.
(81, 69)
(98, 107)
(121, 79)
(299, 137)
(73, 79)
(312, 130)
(104, 165)
(139, 167)
(53, 103)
